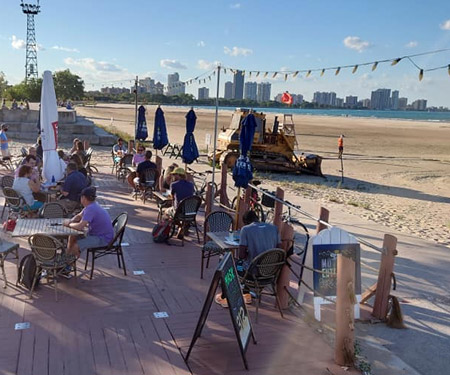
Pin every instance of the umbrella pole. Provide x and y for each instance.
(135, 107)
(215, 140)
(238, 203)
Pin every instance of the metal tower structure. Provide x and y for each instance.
(31, 67)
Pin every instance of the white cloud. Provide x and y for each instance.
(65, 49)
(93, 65)
(172, 64)
(201, 44)
(17, 43)
(411, 44)
(445, 25)
(356, 43)
(93, 71)
(237, 51)
(206, 65)
(235, 6)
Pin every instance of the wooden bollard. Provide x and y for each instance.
(86, 144)
(223, 185)
(380, 306)
(344, 351)
(278, 211)
(324, 215)
(208, 206)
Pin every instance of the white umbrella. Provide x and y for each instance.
(51, 170)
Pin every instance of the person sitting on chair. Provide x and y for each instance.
(139, 177)
(168, 177)
(94, 217)
(24, 185)
(255, 238)
(74, 183)
(4, 142)
(119, 150)
(180, 189)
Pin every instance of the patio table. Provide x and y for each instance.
(51, 227)
(163, 201)
(223, 240)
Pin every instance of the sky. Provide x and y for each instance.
(109, 42)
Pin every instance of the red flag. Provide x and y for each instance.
(287, 98)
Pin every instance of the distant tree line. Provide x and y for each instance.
(67, 86)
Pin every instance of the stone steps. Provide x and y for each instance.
(22, 127)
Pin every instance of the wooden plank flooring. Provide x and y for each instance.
(106, 325)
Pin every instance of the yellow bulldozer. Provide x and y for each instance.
(273, 148)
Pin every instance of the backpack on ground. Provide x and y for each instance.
(163, 231)
(27, 270)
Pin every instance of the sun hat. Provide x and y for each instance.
(179, 171)
(89, 192)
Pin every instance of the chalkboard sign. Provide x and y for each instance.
(227, 276)
(325, 260)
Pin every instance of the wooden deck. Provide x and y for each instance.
(107, 326)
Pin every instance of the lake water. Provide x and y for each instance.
(403, 115)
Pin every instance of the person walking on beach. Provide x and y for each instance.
(340, 146)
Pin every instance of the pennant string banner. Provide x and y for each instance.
(285, 74)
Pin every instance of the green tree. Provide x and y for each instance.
(3, 84)
(68, 85)
(30, 90)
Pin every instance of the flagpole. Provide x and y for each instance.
(215, 139)
(135, 109)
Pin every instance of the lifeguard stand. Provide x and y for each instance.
(288, 127)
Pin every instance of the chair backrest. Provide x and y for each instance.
(267, 265)
(187, 209)
(52, 210)
(7, 181)
(13, 198)
(218, 221)
(119, 224)
(149, 176)
(44, 247)
(126, 160)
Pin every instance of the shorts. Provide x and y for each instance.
(35, 206)
(90, 241)
(5, 152)
(170, 212)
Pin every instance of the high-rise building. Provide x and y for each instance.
(296, 98)
(365, 103)
(203, 93)
(380, 99)
(238, 85)
(263, 92)
(250, 89)
(339, 102)
(325, 98)
(394, 100)
(228, 93)
(174, 85)
(402, 103)
(419, 105)
(351, 101)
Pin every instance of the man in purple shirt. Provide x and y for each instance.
(95, 218)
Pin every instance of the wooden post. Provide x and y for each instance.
(278, 208)
(324, 215)
(158, 162)
(130, 146)
(208, 199)
(86, 144)
(380, 306)
(287, 235)
(223, 185)
(345, 299)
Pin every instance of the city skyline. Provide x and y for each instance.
(105, 51)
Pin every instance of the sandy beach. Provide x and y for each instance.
(396, 172)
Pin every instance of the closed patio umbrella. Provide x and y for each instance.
(160, 139)
(243, 170)
(141, 128)
(190, 151)
(51, 170)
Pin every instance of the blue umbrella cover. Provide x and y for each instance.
(141, 129)
(190, 151)
(243, 169)
(160, 139)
